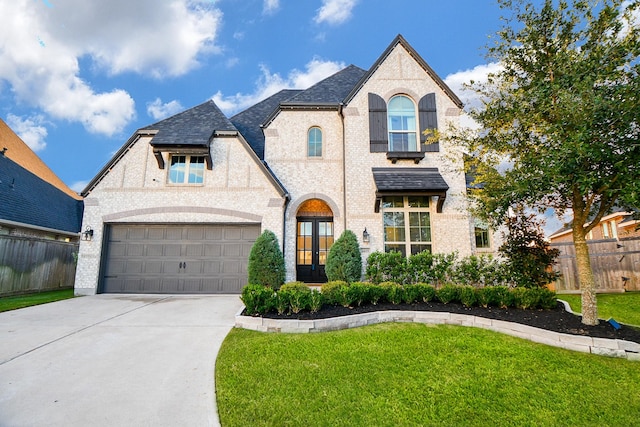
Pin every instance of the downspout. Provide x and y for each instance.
(287, 199)
(344, 166)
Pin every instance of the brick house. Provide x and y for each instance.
(179, 206)
(616, 225)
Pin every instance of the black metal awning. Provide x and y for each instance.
(409, 182)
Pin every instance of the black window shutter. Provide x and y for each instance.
(378, 134)
(428, 117)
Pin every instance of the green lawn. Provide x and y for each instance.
(400, 374)
(13, 303)
(624, 308)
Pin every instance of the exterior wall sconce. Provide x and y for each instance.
(87, 234)
(365, 235)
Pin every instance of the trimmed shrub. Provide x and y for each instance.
(266, 262)
(257, 299)
(425, 292)
(486, 296)
(298, 294)
(330, 291)
(316, 300)
(344, 261)
(282, 303)
(359, 293)
(547, 299)
(376, 293)
(394, 292)
(467, 295)
(411, 293)
(425, 267)
(386, 267)
(503, 296)
(447, 294)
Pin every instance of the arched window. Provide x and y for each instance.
(314, 142)
(401, 114)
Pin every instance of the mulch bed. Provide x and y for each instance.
(558, 319)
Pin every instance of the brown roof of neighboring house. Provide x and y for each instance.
(21, 154)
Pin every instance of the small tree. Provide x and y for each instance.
(266, 262)
(344, 261)
(529, 255)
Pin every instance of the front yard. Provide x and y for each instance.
(623, 308)
(413, 374)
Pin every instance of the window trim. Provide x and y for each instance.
(319, 129)
(188, 164)
(401, 131)
(406, 211)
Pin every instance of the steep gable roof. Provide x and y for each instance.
(332, 90)
(194, 126)
(20, 153)
(399, 40)
(249, 122)
(27, 199)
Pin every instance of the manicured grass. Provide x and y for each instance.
(418, 375)
(625, 308)
(13, 303)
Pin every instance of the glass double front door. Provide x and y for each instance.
(314, 239)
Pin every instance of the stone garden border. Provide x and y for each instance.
(601, 346)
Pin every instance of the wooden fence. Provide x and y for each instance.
(615, 264)
(30, 264)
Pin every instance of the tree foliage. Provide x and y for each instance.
(559, 120)
(530, 257)
(266, 262)
(344, 261)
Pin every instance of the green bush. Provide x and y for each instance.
(344, 296)
(411, 293)
(547, 299)
(394, 292)
(486, 296)
(447, 294)
(344, 261)
(425, 292)
(330, 291)
(503, 296)
(359, 293)
(298, 295)
(282, 301)
(376, 293)
(266, 262)
(316, 300)
(467, 295)
(257, 299)
(386, 267)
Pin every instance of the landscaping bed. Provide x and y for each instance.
(556, 319)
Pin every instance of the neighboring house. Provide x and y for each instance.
(617, 225)
(179, 206)
(40, 222)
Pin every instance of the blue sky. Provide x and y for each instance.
(77, 78)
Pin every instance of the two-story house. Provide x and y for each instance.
(179, 206)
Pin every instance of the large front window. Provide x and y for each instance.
(186, 169)
(402, 124)
(407, 226)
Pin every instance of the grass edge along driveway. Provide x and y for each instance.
(399, 374)
(28, 300)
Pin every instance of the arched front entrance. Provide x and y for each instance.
(314, 239)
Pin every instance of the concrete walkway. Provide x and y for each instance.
(113, 360)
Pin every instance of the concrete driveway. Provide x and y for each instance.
(113, 360)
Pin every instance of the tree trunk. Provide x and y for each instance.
(586, 280)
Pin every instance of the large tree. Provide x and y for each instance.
(559, 122)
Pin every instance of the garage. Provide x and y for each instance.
(177, 258)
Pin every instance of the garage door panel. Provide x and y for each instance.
(177, 258)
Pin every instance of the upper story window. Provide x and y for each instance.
(401, 114)
(185, 169)
(314, 142)
(407, 225)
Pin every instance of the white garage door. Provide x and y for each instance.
(177, 259)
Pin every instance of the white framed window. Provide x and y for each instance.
(605, 230)
(614, 229)
(407, 224)
(314, 142)
(185, 169)
(483, 240)
(401, 114)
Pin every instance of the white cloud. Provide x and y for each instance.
(268, 84)
(335, 12)
(30, 130)
(271, 6)
(40, 48)
(159, 110)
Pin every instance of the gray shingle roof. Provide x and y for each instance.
(409, 179)
(249, 121)
(27, 199)
(194, 126)
(333, 89)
